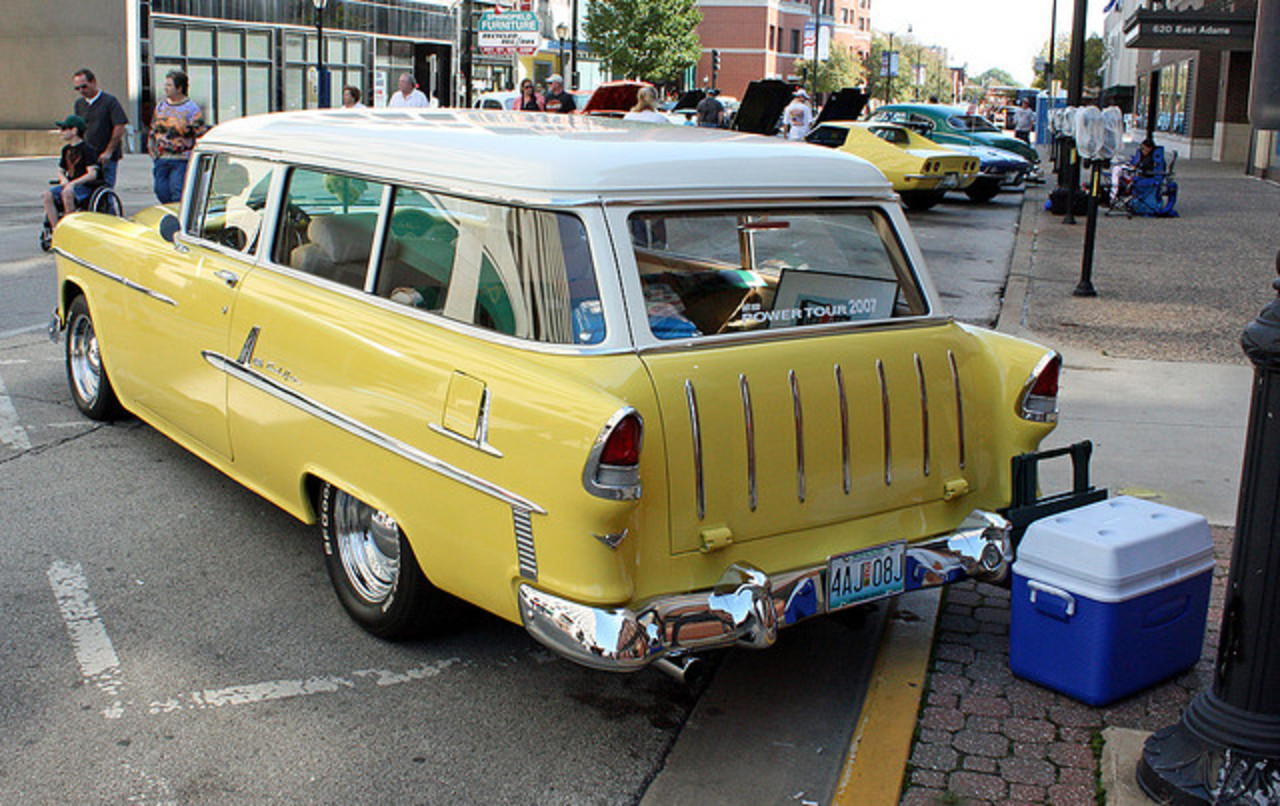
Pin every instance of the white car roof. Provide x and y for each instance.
(549, 157)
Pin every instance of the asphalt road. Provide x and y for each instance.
(170, 637)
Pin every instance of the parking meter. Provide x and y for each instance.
(1113, 130)
(1089, 132)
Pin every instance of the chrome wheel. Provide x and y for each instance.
(368, 545)
(83, 360)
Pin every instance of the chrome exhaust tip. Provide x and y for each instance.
(688, 669)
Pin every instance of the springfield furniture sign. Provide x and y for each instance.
(512, 32)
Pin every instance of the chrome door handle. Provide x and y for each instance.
(228, 277)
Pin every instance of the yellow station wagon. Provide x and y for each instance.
(644, 390)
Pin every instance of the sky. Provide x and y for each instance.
(984, 33)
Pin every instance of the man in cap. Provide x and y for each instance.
(798, 116)
(104, 119)
(710, 110)
(557, 99)
(77, 170)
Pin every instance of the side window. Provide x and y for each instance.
(327, 225)
(228, 201)
(523, 273)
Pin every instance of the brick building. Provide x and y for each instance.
(765, 38)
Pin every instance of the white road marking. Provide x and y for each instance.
(11, 431)
(97, 657)
(286, 689)
(101, 666)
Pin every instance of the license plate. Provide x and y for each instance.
(861, 576)
(948, 181)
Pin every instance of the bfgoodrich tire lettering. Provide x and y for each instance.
(373, 569)
(86, 375)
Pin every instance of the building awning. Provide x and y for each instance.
(1189, 30)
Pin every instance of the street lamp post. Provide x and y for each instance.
(562, 31)
(888, 70)
(322, 75)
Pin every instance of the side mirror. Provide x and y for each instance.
(169, 227)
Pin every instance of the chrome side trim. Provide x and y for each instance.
(924, 413)
(124, 281)
(749, 425)
(797, 411)
(283, 393)
(746, 606)
(526, 554)
(955, 381)
(884, 410)
(844, 430)
(250, 344)
(1030, 414)
(481, 440)
(700, 489)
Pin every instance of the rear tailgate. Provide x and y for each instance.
(778, 437)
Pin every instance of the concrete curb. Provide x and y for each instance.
(881, 745)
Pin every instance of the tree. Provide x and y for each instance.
(648, 39)
(907, 86)
(1095, 50)
(842, 69)
(995, 77)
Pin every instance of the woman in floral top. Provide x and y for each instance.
(176, 124)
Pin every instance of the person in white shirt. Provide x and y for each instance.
(798, 116)
(409, 94)
(646, 108)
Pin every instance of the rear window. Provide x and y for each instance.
(705, 273)
(829, 136)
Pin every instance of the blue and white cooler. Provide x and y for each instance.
(1110, 598)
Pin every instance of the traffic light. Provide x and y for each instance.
(715, 60)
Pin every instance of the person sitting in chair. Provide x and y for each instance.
(77, 171)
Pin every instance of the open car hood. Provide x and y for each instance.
(690, 99)
(847, 104)
(614, 96)
(762, 106)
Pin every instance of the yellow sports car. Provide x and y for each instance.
(921, 170)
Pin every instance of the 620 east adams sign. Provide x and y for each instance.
(1189, 30)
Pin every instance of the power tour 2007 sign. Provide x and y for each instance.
(508, 33)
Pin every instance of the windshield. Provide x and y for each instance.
(971, 123)
(705, 273)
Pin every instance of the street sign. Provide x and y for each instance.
(513, 32)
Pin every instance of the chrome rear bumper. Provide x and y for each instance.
(747, 607)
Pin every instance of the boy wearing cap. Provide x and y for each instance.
(77, 170)
(798, 116)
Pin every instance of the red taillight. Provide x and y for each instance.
(622, 447)
(1040, 402)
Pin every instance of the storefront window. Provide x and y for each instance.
(199, 42)
(257, 45)
(167, 41)
(229, 45)
(1175, 86)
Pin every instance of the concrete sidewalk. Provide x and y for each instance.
(1153, 374)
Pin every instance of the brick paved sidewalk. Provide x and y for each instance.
(985, 736)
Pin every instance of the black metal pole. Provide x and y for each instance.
(1153, 104)
(1075, 95)
(574, 45)
(322, 77)
(1226, 747)
(1053, 35)
(1085, 287)
(467, 9)
(888, 70)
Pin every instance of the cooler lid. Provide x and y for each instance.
(1116, 549)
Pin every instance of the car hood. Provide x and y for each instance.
(847, 104)
(762, 106)
(618, 96)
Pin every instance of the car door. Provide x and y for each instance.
(176, 383)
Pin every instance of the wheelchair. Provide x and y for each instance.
(103, 199)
